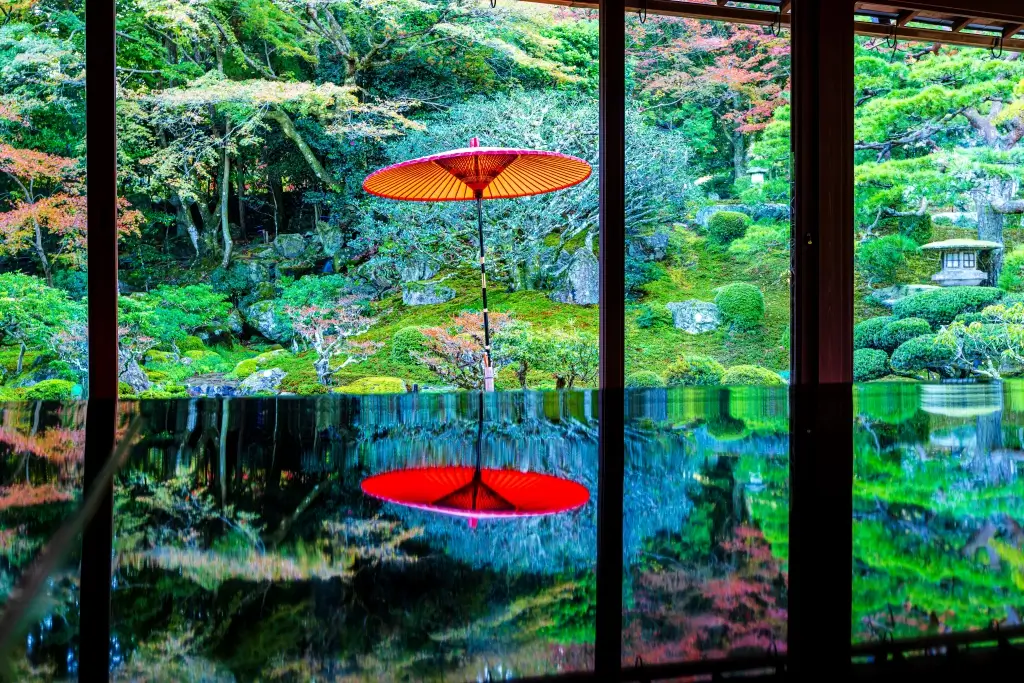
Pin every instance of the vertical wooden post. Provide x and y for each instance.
(101, 186)
(821, 461)
(608, 645)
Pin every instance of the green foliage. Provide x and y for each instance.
(405, 342)
(941, 306)
(897, 332)
(1011, 277)
(751, 375)
(869, 364)
(760, 240)
(867, 334)
(245, 368)
(644, 379)
(373, 385)
(927, 352)
(724, 227)
(191, 343)
(881, 259)
(125, 390)
(694, 371)
(916, 228)
(741, 304)
(49, 390)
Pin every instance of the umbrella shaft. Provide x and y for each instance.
(483, 278)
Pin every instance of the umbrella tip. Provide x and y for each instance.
(474, 142)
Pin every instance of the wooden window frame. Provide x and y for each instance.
(822, 321)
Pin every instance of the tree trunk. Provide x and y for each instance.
(41, 253)
(240, 190)
(292, 133)
(990, 221)
(277, 194)
(21, 359)
(739, 155)
(225, 186)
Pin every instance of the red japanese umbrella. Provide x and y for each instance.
(477, 492)
(478, 173)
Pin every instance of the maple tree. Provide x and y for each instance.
(327, 328)
(455, 352)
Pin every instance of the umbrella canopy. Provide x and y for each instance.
(477, 173)
(477, 493)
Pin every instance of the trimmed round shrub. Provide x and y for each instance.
(191, 343)
(726, 226)
(405, 342)
(741, 304)
(1011, 277)
(694, 371)
(867, 333)
(48, 390)
(374, 385)
(125, 390)
(899, 331)
(882, 258)
(869, 364)
(727, 428)
(922, 353)
(941, 306)
(245, 368)
(752, 375)
(644, 379)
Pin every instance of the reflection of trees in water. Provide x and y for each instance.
(938, 505)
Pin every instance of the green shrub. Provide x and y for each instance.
(125, 390)
(761, 240)
(869, 364)
(644, 379)
(49, 390)
(405, 342)
(926, 352)
(727, 428)
(1011, 277)
(726, 226)
(941, 306)
(245, 368)
(881, 259)
(157, 376)
(154, 356)
(374, 385)
(649, 316)
(741, 304)
(694, 371)
(170, 391)
(191, 343)
(867, 333)
(899, 331)
(751, 375)
(917, 228)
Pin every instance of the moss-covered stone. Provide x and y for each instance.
(49, 390)
(373, 385)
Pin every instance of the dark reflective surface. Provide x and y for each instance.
(245, 548)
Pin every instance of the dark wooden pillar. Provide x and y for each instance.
(822, 140)
(101, 186)
(821, 462)
(611, 404)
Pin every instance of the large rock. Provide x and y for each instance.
(234, 322)
(134, 377)
(656, 245)
(290, 245)
(582, 282)
(261, 382)
(426, 293)
(330, 237)
(263, 317)
(757, 212)
(417, 270)
(888, 296)
(695, 316)
(210, 386)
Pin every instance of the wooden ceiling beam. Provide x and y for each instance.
(959, 23)
(925, 35)
(786, 6)
(906, 16)
(1011, 29)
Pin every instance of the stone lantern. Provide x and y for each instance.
(958, 259)
(757, 175)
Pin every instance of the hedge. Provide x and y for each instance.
(741, 304)
(644, 379)
(694, 371)
(869, 364)
(922, 353)
(867, 333)
(751, 375)
(941, 306)
(899, 331)
(726, 226)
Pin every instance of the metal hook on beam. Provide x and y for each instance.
(641, 12)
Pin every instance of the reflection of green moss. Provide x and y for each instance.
(373, 385)
(890, 403)
(727, 429)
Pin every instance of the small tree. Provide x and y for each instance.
(570, 356)
(327, 328)
(31, 314)
(456, 353)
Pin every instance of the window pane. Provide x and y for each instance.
(708, 203)
(42, 202)
(260, 265)
(937, 202)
